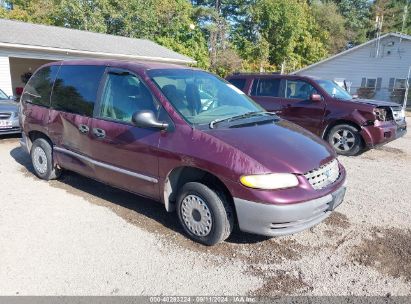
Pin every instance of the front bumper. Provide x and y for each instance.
(16, 130)
(276, 220)
(383, 132)
(13, 128)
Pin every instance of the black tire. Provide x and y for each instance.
(41, 154)
(220, 212)
(348, 145)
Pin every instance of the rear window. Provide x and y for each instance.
(38, 89)
(75, 89)
(238, 82)
(266, 87)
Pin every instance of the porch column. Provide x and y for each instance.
(5, 76)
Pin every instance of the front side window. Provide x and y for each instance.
(75, 89)
(38, 88)
(266, 87)
(299, 89)
(334, 90)
(124, 94)
(201, 97)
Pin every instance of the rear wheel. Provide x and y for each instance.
(345, 139)
(42, 159)
(205, 214)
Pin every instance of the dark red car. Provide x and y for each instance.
(324, 108)
(183, 137)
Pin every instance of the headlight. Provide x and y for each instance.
(16, 114)
(402, 114)
(380, 114)
(270, 181)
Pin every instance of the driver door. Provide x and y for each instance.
(299, 108)
(126, 155)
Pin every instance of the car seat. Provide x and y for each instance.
(193, 99)
(170, 91)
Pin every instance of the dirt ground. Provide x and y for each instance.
(76, 236)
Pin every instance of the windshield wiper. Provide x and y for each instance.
(241, 116)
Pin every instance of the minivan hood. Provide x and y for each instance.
(377, 103)
(8, 106)
(281, 146)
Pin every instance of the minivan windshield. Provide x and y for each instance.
(200, 97)
(334, 90)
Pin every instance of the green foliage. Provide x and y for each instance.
(294, 38)
(327, 15)
(228, 35)
(357, 14)
(394, 13)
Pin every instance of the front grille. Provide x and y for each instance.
(5, 115)
(323, 176)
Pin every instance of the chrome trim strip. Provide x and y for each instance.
(107, 166)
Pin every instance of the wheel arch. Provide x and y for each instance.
(33, 135)
(339, 122)
(177, 177)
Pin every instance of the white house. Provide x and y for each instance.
(376, 69)
(25, 46)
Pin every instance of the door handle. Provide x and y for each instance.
(99, 133)
(83, 129)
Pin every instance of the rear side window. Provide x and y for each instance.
(266, 87)
(38, 89)
(238, 82)
(75, 89)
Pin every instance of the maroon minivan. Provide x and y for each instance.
(184, 137)
(324, 108)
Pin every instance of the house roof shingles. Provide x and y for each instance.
(27, 35)
(399, 35)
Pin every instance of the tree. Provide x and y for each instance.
(396, 14)
(168, 22)
(327, 14)
(36, 11)
(294, 37)
(357, 15)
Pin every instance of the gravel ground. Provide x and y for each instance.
(76, 236)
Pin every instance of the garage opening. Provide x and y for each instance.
(20, 71)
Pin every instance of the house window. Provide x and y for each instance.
(400, 83)
(371, 83)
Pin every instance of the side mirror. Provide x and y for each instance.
(316, 97)
(147, 119)
(11, 97)
(355, 96)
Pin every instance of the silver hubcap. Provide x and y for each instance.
(196, 215)
(40, 160)
(343, 140)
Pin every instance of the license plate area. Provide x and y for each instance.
(337, 199)
(5, 124)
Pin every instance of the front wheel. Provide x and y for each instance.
(42, 159)
(205, 215)
(345, 139)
